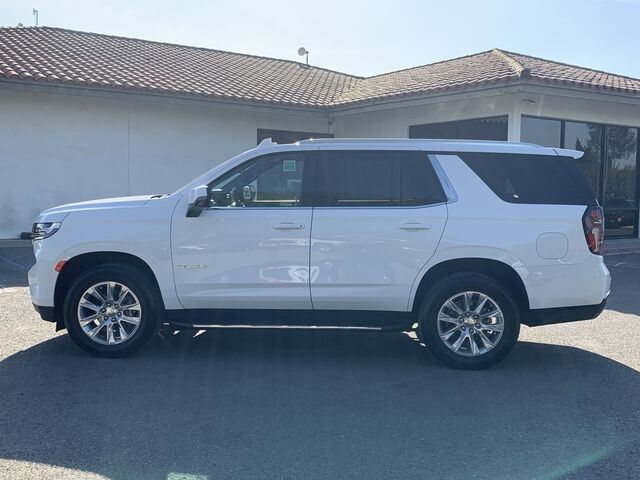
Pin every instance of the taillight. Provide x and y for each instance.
(593, 223)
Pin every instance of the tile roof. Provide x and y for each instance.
(480, 69)
(60, 56)
(68, 57)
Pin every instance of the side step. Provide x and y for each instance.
(290, 319)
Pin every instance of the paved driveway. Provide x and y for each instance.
(320, 405)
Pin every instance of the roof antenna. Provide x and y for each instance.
(35, 15)
(302, 52)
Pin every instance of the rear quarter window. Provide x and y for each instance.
(532, 179)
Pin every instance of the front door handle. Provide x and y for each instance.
(288, 226)
(414, 226)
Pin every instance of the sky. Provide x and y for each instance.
(364, 37)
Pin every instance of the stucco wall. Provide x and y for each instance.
(57, 149)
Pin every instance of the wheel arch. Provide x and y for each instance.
(496, 269)
(79, 263)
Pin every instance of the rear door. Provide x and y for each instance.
(378, 218)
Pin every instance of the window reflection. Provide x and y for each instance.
(541, 131)
(620, 181)
(587, 138)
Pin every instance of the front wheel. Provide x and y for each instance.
(110, 311)
(469, 321)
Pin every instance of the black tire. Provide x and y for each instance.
(138, 283)
(446, 288)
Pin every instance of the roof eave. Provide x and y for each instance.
(516, 85)
(160, 97)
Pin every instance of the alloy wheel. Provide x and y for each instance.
(109, 313)
(470, 323)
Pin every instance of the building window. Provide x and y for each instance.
(490, 128)
(288, 136)
(587, 138)
(620, 195)
(541, 131)
(609, 163)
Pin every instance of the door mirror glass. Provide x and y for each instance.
(198, 200)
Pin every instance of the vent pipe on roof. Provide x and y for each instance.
(35, 16)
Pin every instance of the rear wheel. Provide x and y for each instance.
(110, 310)
(469, 321)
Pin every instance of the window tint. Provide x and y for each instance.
(541, 131)
(376, 179)
(268, 181)
(587, 138)
(541, 179)
(490, 128)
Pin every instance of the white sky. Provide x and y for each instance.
(365, 37)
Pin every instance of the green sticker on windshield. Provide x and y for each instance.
(288, 165)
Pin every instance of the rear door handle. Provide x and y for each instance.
(288, 226)
(414, 226)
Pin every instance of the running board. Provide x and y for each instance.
(287, 327)
(291, 319)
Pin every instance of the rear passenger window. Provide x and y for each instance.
(533, 179)
(376, 179)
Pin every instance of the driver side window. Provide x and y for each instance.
(273, 180)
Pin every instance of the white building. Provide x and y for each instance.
(85, 116)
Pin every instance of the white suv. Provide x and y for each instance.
(462, 241)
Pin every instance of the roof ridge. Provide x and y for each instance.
(518, 68)
(555, 62)
(426, 64)
(192, 47)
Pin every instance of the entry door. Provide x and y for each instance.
(378, 220)
(250, 248)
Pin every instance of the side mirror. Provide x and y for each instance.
(198, 200)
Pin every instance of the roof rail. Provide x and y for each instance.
(267, 142)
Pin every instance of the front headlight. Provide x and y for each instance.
(41, 231)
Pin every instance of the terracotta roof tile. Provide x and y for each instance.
(59, 56)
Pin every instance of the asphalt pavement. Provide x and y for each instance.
(279, 404)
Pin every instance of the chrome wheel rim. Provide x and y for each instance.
(470, 323)
(109, 313)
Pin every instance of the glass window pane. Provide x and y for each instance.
(354, 178)
(541, 131)
(376, 179)
(419, 184)
(533, 179)
(620, 181)
(587, 138)
(490, 128)
(269, 181)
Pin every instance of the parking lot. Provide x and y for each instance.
(318, 405)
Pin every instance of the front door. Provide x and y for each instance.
(379, 217)
(250, 248)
